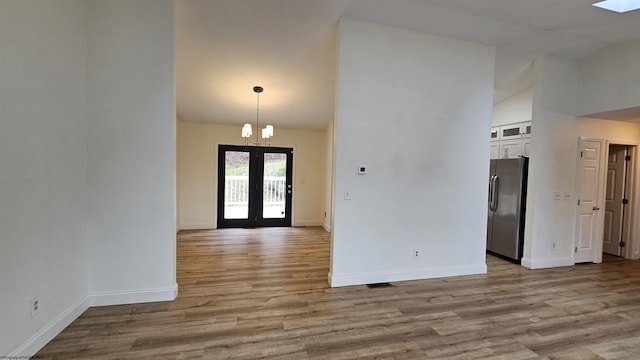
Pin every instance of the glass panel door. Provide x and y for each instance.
(274, 186)
(254, 186)
(274, 169)
(236, 185)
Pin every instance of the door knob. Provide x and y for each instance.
(595, 208)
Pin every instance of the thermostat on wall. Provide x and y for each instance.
(362, 169)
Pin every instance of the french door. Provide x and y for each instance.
(254, 186)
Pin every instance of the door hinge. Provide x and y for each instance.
(622, 244)
(578, 201)
(581, 153)
(627, 158)
(625, 201)
(575, 249)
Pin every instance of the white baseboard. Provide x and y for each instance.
(49, 331)
(52, 329)
(546, 263)
(107, 298)
(198, 227)
(405, 275)
(307, 223)
(326, 227)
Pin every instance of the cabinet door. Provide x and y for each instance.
(495, 150)
(515, 131)
(495, 133)
(526, 129)
(512, 131)
(510, 149)
(526, 147)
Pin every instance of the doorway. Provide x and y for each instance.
(254, 186)
(616, 215)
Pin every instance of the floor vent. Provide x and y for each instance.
(378, 285)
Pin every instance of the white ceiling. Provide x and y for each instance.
(225, 47)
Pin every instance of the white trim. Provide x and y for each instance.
(547, 263)
(631, 250)
(133, 297)
(55, 327)
(51, 330)
(406, 275)
(326, 227)
(198, 227)
(306, 223)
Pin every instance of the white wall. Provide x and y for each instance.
(87, 162)
(554, 144)
(610, 80)
(401, 111)
(515, 109)
(198, 172)
(43, 196)
(131, 114)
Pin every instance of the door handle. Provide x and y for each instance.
(595, 208)
(491, 190)
(494, 193)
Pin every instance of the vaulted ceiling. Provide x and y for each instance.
(225, 47)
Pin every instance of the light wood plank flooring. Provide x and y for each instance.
(263, 293)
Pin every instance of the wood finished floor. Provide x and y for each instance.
(263, 293)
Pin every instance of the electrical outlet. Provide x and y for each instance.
(553, 245)
(34, 305)
(416, 253)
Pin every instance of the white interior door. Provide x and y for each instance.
(614, 194)
(587, 237)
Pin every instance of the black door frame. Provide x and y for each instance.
(256, 171)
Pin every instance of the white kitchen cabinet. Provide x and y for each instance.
(495, 150)
(511, 140)
(514, 148)
(515, 131)
(495, 133)
(526, 127)
(510, 148)
(526, 146)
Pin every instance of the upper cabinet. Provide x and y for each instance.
(515, 131)
(495, 133)
(510, 141)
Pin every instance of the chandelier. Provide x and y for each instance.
(247, 131)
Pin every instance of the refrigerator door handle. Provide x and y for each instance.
(490, 200)
(491, 192)
(494, 193)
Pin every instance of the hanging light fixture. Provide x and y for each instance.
(267, 132)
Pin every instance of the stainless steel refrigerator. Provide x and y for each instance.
(507, 200)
